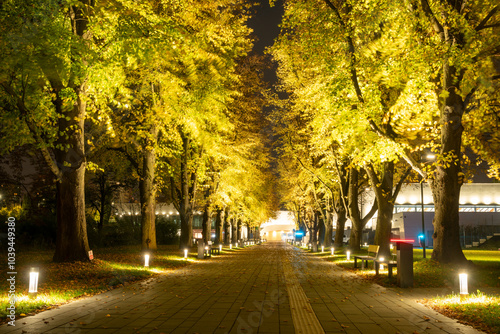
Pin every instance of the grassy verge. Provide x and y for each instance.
(479, 310)
(62, 282)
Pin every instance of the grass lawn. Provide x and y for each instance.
(479, 310)
(62, 282)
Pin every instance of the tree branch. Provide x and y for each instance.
(352, 55)
(25, 115)
(438, 28)
(127, 155)
(400, 184)
(482, 25)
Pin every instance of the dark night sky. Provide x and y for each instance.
(265, 24)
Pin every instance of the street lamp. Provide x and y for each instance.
(464, 290)
(421, 238)
(33, 284)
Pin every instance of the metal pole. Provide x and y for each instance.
(423, 219)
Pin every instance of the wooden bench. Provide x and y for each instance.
(372, 255)
(208, 249)
(214, 250)
(390, 263)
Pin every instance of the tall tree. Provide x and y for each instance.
(48, 50)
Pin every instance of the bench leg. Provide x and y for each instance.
(356, 262)
(364, 263)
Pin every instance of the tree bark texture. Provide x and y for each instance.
(218, 226)
(187, 193)
(383, 192)
(238, 230)
(339, 227)
(227, 227)
(328, 229)
(71, 236)
(354, 214)
(447, 183)
(234, 233)
(147, 191)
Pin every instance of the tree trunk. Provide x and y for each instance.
(384, 226)
(227, 236)
(238, 230)
(234, 234)
(385, 209)
(321, 231)
(447, 182)
(315, 227)
(71, 238)
(186, 240)
(218, 226)
(328, 229)
(358, 222)
(187, 195)
(147, 191)
(340, 227)
(206, 225)
(354, 214)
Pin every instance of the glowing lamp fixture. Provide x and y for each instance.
(348, 253)
(322, 249)
(33, 284)
(381, 259)
(220, 248)
(186, 253)
(333, 251)
(410, 241)
(146, 260)
(464, 290)
(230, 246)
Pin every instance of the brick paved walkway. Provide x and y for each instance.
(271, 288)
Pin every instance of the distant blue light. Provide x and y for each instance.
(421, 236)
(299, 234)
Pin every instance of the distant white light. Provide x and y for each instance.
(474, 200)
(427, 199)
(487, 200)
(413, 200)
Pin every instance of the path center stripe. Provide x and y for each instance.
(303, 316)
